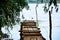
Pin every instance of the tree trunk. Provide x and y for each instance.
(0, 33)
(0, 28)
(50, 24)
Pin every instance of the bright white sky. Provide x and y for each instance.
(43, 22)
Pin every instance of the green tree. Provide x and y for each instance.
(10, 11)
(50, 12)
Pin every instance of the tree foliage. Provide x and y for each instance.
(10, 11)
(49, 4)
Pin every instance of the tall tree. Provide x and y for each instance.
(46, 9)
(10, 11)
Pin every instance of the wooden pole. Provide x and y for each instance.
(50, 24)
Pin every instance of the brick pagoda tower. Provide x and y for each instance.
(29, 31)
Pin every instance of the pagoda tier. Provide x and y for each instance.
(29, 31)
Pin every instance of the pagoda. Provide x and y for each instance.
(29, 31)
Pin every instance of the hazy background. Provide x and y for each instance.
(43, 22)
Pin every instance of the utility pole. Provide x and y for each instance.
(36, 14)
(50, 24)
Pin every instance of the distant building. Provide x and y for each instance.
(29, 31)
